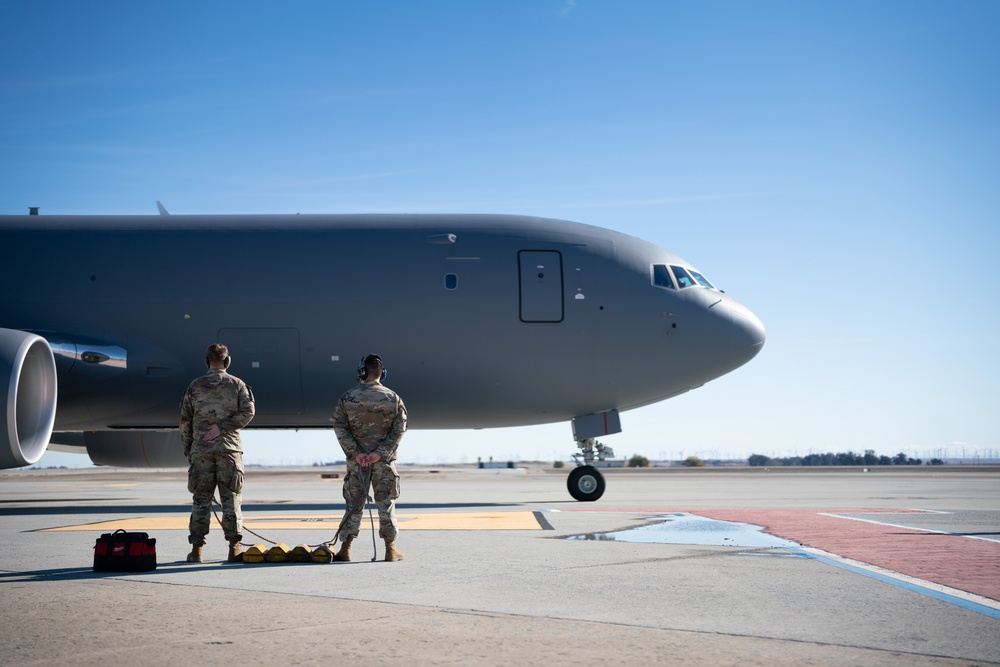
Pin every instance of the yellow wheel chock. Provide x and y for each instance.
(277, 554)
(254, 554)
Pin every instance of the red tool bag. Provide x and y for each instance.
(124, 552)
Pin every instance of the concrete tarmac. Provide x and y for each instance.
(893, 567)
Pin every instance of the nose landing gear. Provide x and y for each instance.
(586, 483)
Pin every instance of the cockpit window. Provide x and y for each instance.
(684, 279)
(702, 280)
(661, 276)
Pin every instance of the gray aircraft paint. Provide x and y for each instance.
(483, 320)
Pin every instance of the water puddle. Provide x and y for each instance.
(694, 530)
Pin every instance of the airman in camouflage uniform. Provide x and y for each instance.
(369, 421)
(213, 410)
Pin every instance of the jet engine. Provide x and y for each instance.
(27, 397)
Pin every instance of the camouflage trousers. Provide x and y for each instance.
(385, 482)
(211, 469)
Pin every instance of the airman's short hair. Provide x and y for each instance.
(216, 353)
(371, 367)
(373, 364)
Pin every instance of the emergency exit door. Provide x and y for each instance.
(541, 285)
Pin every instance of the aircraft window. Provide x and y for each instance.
(702, 280)
(684, 279)
(451, 281)
(661, 276)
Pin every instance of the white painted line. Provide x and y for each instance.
(899, 525)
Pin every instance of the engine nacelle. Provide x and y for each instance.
(136, 449)
(28, 394)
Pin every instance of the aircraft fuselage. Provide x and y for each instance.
(483, 320)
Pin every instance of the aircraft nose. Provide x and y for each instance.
(747, 331)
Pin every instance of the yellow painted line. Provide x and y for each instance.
(442, 521)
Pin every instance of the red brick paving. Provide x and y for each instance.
(964, 563)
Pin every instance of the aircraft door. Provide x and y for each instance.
(268, 361)
(541, 285)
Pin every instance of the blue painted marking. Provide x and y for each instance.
(691, 529)
(914, 588)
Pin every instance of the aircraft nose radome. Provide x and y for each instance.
(747, 332)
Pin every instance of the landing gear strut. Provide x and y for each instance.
(586, 483)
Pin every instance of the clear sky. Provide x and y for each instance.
(834, 165)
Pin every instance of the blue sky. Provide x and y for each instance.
(832, 165)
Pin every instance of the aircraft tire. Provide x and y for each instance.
(585, 483)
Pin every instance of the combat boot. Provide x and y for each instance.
(195, 555)
(235, 552)
(391, 552)
(344, 555)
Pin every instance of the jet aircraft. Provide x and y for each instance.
(484, 321)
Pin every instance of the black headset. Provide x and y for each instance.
(226, 361)
(363, 372)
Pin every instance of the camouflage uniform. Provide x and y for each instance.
(223, 400)
(370, 419)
